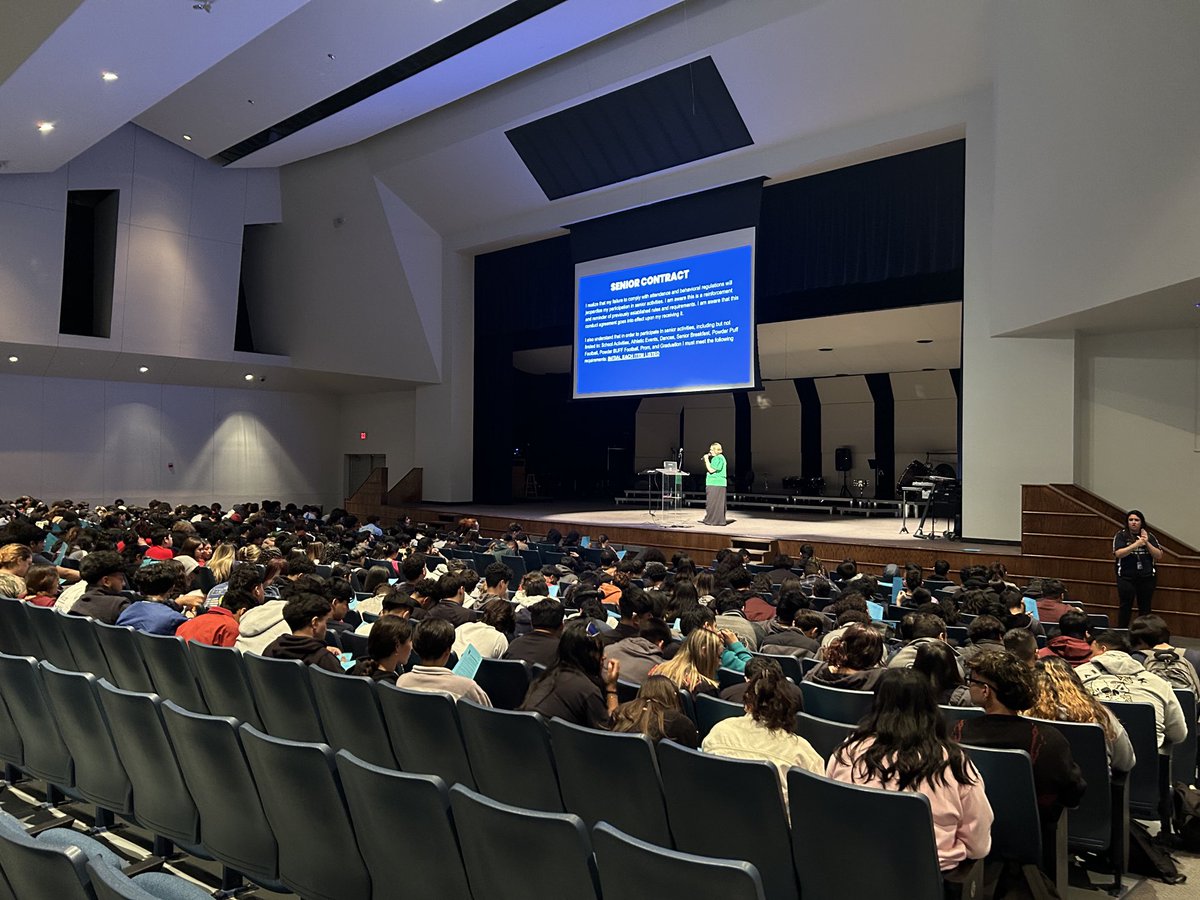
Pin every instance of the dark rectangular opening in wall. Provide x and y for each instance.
(89, 263)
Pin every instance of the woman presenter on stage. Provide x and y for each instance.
(1136, 550)
(714, 486)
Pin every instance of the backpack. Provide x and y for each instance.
(1173, 668)
(1186, 816)
(1149, 858)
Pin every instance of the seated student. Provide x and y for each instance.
(984, 633)
(1060, 696)
(940, 578)
(540, 646)
(1113, 674)
(104, 572)
(432, 641)
(395, 603)
(656, 713)
(937, 662)
(1151, 641)
(581, 686)
(638, 655)
(1022, 643)
(694, 667)
(12, 586)
(533, 589)
(633, 605)
(218, 626)
(158, 545)
(767, 730)
(1003, 685)
(307, 615)
(795, 630)
(917, 629)
(853, 661)
(41, 586)
(490, 634)
(388, 649)
(1073, 641)
(15, 560)
(902, 745)
(1050, 604)
(154, 613)
(451, 592)
(735, 693)
(731, 616)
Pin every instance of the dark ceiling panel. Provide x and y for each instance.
(674, 118)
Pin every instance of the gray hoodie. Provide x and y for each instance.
(637, 657)
(260, 626)
(1117, 676)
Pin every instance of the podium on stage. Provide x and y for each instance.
(669, 489)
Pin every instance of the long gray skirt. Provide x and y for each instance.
(714, 505)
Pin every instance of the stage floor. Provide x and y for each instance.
(800, 526)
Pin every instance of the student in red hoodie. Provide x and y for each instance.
(1073, 642)
(218, 625)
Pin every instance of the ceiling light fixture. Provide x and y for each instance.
(187, 137)
(925, 341)
(109, 76)
(205, 5)
(331, 56)
(825, 349)
(14, 359)
(249, 376)
(143, 369)
(45, 127)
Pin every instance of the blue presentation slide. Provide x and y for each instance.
(682, 325)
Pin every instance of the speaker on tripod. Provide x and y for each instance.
(843, 461)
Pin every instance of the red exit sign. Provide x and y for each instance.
(362, 435)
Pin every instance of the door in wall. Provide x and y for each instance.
(359, 467)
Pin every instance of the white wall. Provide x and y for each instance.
(926, 420)
(847, 420)
(1138, 405)
(389, 419)
(97, 440)
(775, 433)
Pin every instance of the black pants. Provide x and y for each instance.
(1127, 590)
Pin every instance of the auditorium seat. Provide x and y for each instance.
(45, 753)
(110, 883)
(425, 734)
(790, 664)
(124, 657)
(350, 713)
(505, 681)
(631, 869)
(84, 640)
(727, 677)
(284, 698)
(17, 636)
(223, 682)
(45, 623)
(824, 735)
(711, 710)
(233, 827)
(556, 860)
(431, 859)
(167, 660)
(302, 797)
(510, 756)
(836, 704)
(1149, 782)
(587, 760)
(755, 828)
(52, 864)
(1183, 754)
(954, 714)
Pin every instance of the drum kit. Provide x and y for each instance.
(940, 492)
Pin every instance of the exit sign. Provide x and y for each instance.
(362, 435)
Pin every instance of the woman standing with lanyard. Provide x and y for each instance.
(1136, 551)
(714, 486)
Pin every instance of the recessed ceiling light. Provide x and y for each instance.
(825, 349)
(331, 56)
(45, 127)
(187, 137)
(249, 376)
(14, 359)
(143, 369)
(251, 102)
(925, 341)
(109, 76)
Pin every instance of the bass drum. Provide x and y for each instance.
(916, 471)
(944, 470)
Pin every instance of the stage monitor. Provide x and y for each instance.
(666, 320)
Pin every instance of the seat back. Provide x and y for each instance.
(1183, 754)
(510, 756)
(99, 776)
(790, 664)
(45, 753)
(318, 853)
(354, 644)
(728, 678)
(954, 714)
(11, 750)
(824, 735)
(373, 795)
(632, 870)
(425, 734)
(564, 868)
(162, 801)
(223, 682)
(283, 695)
(1144, 786)
(36, 869)
(1008, 782)
(897, 825)
(44, 621)
(505, 681)
(350, 713)
(1089, 825)
(124, 656)
(80, 634)
(233, 826)
(170, 668)
(836, 704)
(587, 758)
(711, 710)
(17, 636)
(755, 828)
